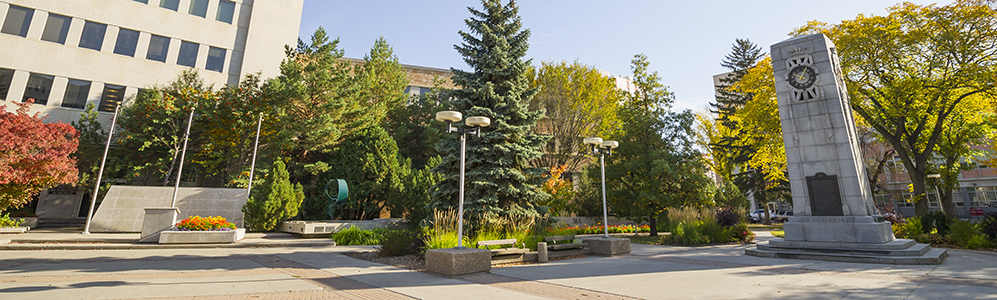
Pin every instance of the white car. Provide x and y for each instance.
(759, 215)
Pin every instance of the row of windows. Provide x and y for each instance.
(978, 196)
(226, 9)
(39, 88)
(57, 27)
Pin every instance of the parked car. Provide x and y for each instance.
(782, 216)
(759, 215)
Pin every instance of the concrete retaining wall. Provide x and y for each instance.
(123, 209)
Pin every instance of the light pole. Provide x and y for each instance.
(937, 195)
(96, 188)
(474, 125)
(602, 148)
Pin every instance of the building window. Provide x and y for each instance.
(158, 47)
(226, 9)
(17, 21)
(76, 94)
(142, 1)
(198, 8)
(216, 59)
(188, 54)
(38, 88)
(110, 97)
(127, 40)
(173, 5)
(93, 35)
(5, 77)
(56, 28)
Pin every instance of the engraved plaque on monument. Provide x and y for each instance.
(825, 198)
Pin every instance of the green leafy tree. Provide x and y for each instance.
(381, 80)
(414, 127)
(153, 127)
(499, 179)
(908, 72)
(656, 166)
(968, 125)
(91, 146)
(275, 201)
(412, 202)
(578, 102)
(226, 125)
(368, 161)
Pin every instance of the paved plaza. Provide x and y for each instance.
(288, 270)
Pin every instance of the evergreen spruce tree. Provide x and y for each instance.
(499, 180)
(275, 201)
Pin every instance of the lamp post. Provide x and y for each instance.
(474, 125)
(602, 148)
(937, 195)
(100, 173)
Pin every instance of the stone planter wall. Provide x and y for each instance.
(31, 222)
(202, 237)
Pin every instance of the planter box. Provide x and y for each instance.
(202, 237)
(13, 230)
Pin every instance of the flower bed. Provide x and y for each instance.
(198, 230)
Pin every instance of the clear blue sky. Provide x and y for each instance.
(684, 40)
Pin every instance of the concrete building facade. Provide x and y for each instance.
(66, 54)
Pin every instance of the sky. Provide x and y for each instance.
(684, 40)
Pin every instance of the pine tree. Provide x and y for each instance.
(499, 179)
(275, 201)
(744, 55)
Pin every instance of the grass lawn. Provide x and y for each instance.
(650, 240)
(759, 226)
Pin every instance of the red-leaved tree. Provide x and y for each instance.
(33, 155)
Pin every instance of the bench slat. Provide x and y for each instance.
(497, 242)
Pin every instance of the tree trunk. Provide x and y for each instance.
(653, 220)
(947, 205)
(768, 217)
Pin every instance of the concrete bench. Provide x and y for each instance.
(502, 251)
(562, 242)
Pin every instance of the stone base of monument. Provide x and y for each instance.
(456, 262)
(900, 251)
(604, 246)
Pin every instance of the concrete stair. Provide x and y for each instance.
(901, 251)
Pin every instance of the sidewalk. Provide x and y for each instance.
(322, 272)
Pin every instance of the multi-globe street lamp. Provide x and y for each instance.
(474, 125)
(602, 148)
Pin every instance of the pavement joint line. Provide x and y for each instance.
(345, 287)
(540, 288)
(140, 275)
(920, 279)
(315, 294)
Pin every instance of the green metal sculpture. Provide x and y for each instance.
(344, 192)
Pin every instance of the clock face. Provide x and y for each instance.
(802, 77)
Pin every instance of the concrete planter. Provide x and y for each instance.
(202, 237)
(13, 230)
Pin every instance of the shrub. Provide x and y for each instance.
(727, 217)
(935, 221)
(275, 201)
(989, 226)
(442, 240)
(401, 242)
(932, 238)
(6, 221)
(741, 233)
(357, 236)
(979, 242)
(962, 232)
(197, 223)
(909, 230)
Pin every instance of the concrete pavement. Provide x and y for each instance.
(323, 272)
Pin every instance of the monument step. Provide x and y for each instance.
(897, 244)
(61, 223)
(931, 257)
(914, 250)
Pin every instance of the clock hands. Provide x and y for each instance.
(801, 76)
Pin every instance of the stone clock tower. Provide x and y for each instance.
(834, 216)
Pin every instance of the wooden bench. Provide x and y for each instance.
(502, 251)
(562, 242)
